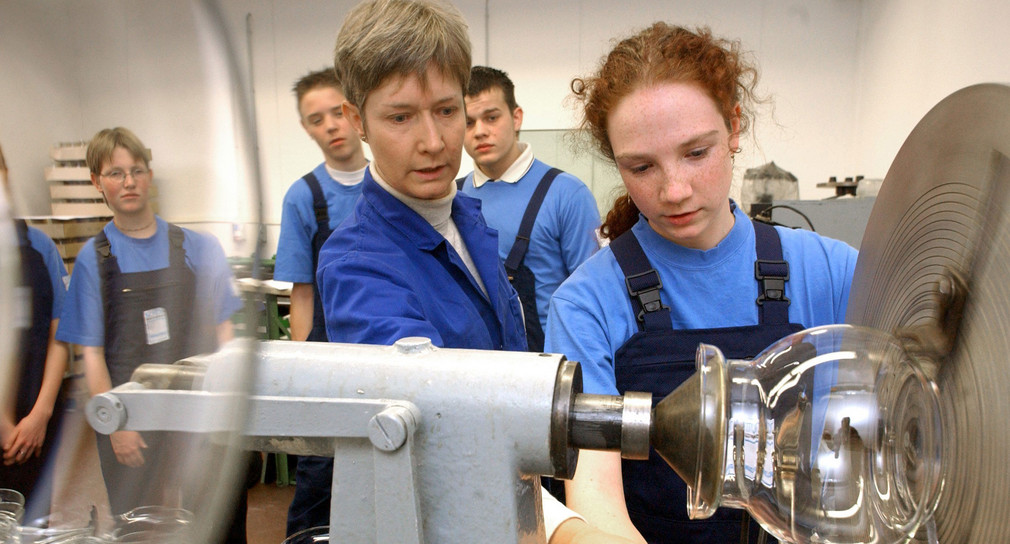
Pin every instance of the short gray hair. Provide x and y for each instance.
(382, 38)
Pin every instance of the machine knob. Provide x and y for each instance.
(414, 345)
(106, 413)
(389, 429)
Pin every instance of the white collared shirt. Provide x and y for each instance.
(514, 173)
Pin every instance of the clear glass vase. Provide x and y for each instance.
(831, 434)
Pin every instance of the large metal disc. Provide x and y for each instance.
(944, 209)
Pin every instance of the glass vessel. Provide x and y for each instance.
(312, 535)
(831, 434)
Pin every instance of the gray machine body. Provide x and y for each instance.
(839, 218)
(430, 445)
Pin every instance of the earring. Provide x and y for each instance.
(363, 138)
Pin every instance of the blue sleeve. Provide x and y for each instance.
(366, 301)
(579, 219)
(294, 244)
(820, 286)
(836, 265)
(214, 277)
(82, 320)
(58, 277)
(576, 333)
(847, 257)
(589, 319)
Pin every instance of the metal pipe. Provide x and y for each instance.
(608, 422)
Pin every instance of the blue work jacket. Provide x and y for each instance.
(386, 274)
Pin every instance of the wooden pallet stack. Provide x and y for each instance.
(70, 186)
(78, 211)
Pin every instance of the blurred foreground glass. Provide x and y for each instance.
(831, 434)
(12, 511)
(216, 111)
(312, 535)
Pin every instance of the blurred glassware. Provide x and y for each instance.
(152, 524)
(312, 535)
(12, 505)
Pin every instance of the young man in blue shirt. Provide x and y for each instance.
(318, 201)
(314, 205)
(546, 219)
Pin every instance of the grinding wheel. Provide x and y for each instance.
(933, 268)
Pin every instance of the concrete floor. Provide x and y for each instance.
(268, 511)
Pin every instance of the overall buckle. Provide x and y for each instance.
(773, 279)
(647, 297)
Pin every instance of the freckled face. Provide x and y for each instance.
(672, 149)
(415, 131)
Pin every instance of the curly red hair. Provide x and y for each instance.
(658, 54)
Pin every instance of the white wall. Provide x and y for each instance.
(39, 102)
(848, 79)
(805, 52)
(912, 54)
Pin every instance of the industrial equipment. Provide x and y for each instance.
(885, 430)
(431, 442)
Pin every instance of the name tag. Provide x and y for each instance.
(156, 325)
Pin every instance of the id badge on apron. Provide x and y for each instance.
(156, 325)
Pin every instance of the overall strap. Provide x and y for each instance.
(108, 267)
(771, 272)
(318, 202)
(103, 251)
(22, 229)
(522, 243)
(176, 252)
(643, 284)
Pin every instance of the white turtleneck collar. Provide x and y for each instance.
(438, 213)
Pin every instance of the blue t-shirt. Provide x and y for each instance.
(591, 316)
(563, 236)
(298, 223)
(386, 274)
(55, 268)
(82, 321)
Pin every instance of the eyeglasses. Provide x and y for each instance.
(119, 176)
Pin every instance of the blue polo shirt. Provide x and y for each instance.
(298, 223)
(386, 274)
(591, 315)
(564, 234)
(82, 321)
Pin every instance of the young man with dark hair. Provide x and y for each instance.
(546, 219)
